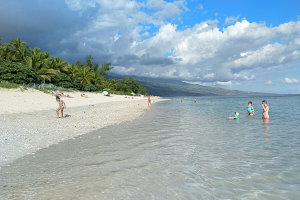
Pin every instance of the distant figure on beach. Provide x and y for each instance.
(265, 114)
(65, 95)
(84, 95)
(195, 100)
(236, 116)
(250, 108)
(61, 106)
(181, 100)
(149, 101)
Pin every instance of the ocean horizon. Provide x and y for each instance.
(175, 150)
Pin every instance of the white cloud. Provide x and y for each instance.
(269, 82)
(242, 76)
(291, 81)
(216, 83)
(122, 33)
(146, 34)
(80, 4)
(232, 19)
(209, 76)
(224, 83)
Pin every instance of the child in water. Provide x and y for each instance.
(236, 116)
(250, 108)
(61, 106)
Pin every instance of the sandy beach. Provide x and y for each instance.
(28, 119)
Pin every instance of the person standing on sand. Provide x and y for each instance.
(61, 106)
(149, 101)
(265, 110)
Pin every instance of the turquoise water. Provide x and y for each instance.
(174, 151)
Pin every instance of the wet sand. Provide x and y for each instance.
(26, 132)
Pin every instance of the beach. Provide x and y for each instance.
(174, 151)
(28, 118)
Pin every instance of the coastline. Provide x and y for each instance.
(24, 132)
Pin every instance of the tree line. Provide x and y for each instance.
(21, 64)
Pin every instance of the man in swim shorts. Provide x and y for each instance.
(61, 106)
(265, 114)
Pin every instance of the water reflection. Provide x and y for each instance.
(266, 128)
(176, 151)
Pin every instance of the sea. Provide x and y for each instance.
(175, 150)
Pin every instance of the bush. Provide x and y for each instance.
(14, 72)
(90, 87)
(62, 80)
(10, 85)
(130, 85)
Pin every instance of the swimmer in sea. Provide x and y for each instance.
(265, 114)
(61, 106)
(195, 100)
(236, 116)
(250, 109)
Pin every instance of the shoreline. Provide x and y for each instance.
(24, 133)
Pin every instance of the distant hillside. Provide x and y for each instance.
(166, 88)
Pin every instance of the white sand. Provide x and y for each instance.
(28, 119)
(30, 100)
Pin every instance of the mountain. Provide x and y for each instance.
(167, 88)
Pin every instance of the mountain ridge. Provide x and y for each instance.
(171, 87)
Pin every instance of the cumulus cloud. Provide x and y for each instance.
(241, 76)
(232, 19)
(203, 53)
(209, 76)
(291, 81)
(140, 38)
(224, 83)
(269, 82)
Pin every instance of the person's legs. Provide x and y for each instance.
(57, 112)
(62, 112)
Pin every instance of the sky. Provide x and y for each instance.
(249, 45)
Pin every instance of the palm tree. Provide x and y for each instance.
(46, 73)
(85, 76)
(73, 71)
(19, 50)
(37, 59)
(89, 63)
(5, 51)
(104, 69)
(59, 64)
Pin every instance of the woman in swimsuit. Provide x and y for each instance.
(265, 110)
(61, 106)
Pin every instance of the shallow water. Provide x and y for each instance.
(175, 151)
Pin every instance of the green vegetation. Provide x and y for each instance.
(11, 85)
(20, 64)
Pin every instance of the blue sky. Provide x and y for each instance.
(236, 44)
